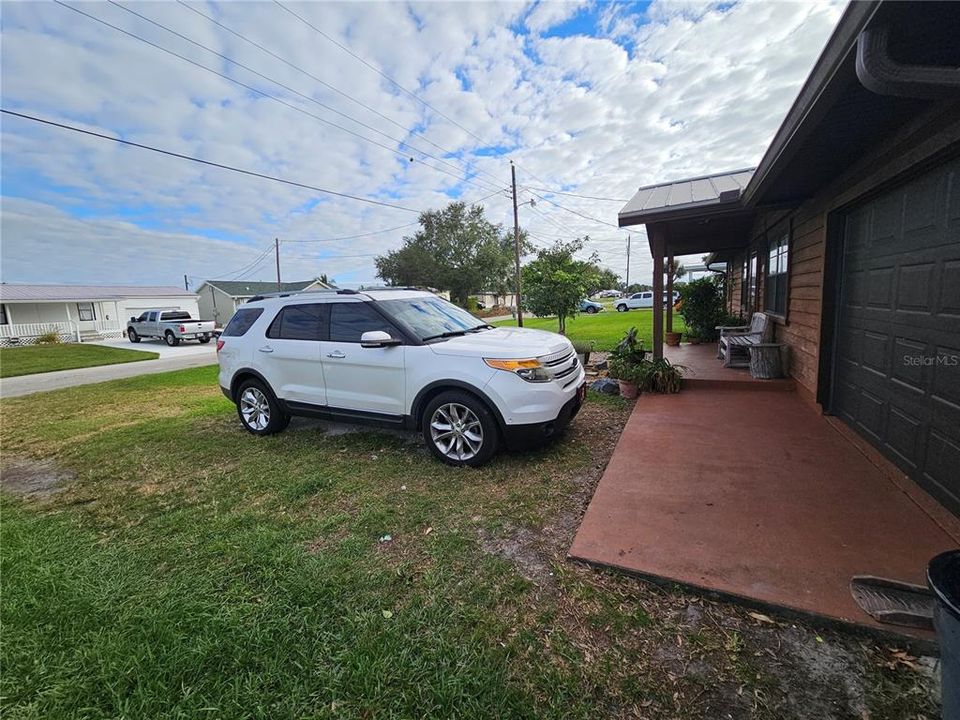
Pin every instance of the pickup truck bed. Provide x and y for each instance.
(172, 326)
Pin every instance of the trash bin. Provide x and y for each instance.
(943, 576)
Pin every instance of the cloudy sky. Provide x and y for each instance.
(407, 104)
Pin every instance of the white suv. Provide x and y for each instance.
(398, 358)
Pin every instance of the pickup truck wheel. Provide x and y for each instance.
(622, 308)
(259, 411)
(172, 340)
(459, 429)
(204, 340)
(132, 334)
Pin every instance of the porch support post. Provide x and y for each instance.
(657, 244)
(670, 293)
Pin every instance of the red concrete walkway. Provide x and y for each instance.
(705, 371)
(756, 495)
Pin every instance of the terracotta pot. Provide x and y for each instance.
(628, 390)
(673, 338)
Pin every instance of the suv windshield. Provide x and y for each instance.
(430, 318)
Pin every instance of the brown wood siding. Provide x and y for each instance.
(920, 142)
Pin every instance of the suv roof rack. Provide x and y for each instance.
(337, 291)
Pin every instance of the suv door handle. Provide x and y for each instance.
(336, 354)
(266, 348)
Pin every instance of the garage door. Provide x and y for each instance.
(897, 367)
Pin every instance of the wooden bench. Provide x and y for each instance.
(735, 340)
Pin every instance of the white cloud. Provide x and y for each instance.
(683, 89)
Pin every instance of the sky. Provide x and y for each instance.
(410, 105)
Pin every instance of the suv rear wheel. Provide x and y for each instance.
(460, 429)
(259, 411)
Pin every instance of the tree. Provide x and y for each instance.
(555, 283)
(455, 249)
(600, 278)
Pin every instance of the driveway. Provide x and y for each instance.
(171, 358)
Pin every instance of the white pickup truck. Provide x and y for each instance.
(170, 325)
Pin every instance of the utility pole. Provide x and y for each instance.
(276, 242)
(186, 284)
(628, 260)
(516, 242)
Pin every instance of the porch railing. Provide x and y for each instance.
(29, 333)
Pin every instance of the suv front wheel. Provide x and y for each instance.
(258, 409)
(460, 429)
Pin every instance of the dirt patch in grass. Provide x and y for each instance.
(33, 478)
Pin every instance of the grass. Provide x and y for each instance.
(604, 329)
(63, 356)
(177, 567)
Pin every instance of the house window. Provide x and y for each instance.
(3, 315)
(85, 311)
(744, 286)
(775, 295)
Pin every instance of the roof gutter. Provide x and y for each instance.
(881, 74)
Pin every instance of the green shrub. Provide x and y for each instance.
(702, 307)
(472, 304)
(49, 338)
(660, 376)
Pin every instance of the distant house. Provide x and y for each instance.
(80, 312)
(219, 299)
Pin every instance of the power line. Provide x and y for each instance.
(335, 89)
(304, 96)
(570, 194)
(262, 93)
(575, 212)
(378, 71)
(209, 163)
(353, 237)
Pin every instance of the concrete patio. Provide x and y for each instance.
(755, 495)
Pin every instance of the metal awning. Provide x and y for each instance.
(685, 198)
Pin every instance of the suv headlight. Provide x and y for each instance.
(531, 369)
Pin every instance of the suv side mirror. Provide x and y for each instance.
(377, 339)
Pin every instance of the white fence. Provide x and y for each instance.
(29, 333)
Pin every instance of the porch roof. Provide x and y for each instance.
(686, 198)
(68, 293)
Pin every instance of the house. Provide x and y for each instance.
(219, 299)
(80, 312)
(847, 234)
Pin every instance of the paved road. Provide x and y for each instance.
(178, 358)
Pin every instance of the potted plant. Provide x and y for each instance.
(583, 349)
(660, 376)
(672, 338)
(627, 376)
(625, 363)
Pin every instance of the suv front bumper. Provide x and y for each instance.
(530, 435)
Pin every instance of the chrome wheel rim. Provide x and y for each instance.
(456, 431)
(255, 409)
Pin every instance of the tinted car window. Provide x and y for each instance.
(299, 322)
(348, 321)
(142, 318)
(175, 315)
(241, 321)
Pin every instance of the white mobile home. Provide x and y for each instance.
(80, 312)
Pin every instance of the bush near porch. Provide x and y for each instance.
(604, 329)
(63, 356)
(160, 562)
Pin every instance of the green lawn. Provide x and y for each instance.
(185, 569)
(604, 329)
(63, 356)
